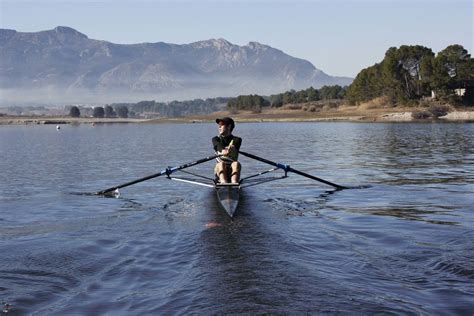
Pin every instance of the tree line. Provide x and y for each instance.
(179, 108)
(255, 103)
(163, 109)
(410, 73)
(252, 102)
(100, 112)
(308, 95)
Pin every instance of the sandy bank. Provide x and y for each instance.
(342, 114)
(459, 116)
(462, 116)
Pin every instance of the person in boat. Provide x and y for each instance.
(227, 167)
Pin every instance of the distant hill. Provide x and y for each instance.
(64, 65)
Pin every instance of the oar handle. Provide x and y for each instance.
(287, 168)
(166, 171)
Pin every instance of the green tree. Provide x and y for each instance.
(301, 97)
(122, 111)
(109, 111)
(74, 112)
(276, 100)
(288, 97)
(331, 92)
(313, 94)
(404, 75)
(414, 61)
(390, 77)
(98, 112)
(403, 72)
(453, 68)
(252, 102)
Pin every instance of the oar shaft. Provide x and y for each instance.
(316, 178)
(168, 171)
(288, 168)
(261, 159)
(131, 182)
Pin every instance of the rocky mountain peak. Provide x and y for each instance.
(6, 34)
(68, 31)
(219, 44)
(257, 46)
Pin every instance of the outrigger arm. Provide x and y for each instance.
(168, 171)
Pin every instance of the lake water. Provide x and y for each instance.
(402, 243)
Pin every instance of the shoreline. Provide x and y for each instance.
(270, 115)
(61, 120)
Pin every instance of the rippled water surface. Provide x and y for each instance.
(401, 243)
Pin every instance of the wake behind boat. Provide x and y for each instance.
(228, 194)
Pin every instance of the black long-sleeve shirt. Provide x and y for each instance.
(221, 142)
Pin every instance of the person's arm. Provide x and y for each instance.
(233, 149)
(218, 147)
(237, 143)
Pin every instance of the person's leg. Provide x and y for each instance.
(219, 171)
(235, 176)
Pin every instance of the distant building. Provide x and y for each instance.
(460, 92)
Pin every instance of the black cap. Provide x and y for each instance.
(226, 121)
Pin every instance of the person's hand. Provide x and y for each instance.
(230, 149)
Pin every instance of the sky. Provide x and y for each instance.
(339, 37)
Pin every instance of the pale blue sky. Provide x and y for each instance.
(338, 37)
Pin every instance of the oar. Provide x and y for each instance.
(166, 171)
(287, 168)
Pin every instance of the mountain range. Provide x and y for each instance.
(64, 65)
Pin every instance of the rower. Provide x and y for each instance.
(227, 168)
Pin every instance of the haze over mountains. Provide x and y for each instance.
(64, 65)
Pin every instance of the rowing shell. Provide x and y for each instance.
(228, 195)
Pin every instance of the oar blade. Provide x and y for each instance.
(112, 194)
